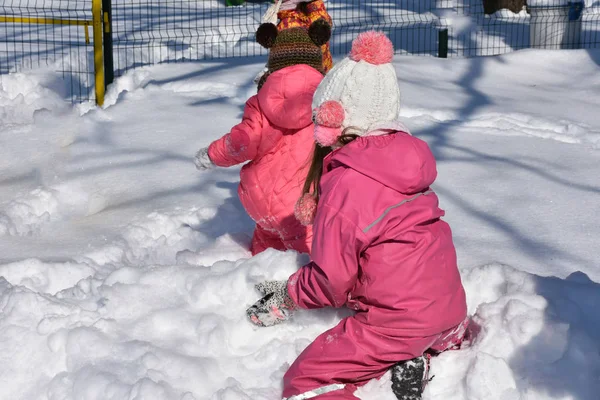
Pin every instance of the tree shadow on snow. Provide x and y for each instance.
(220, 65)
(208, 69)
(446, 146)
(563, 360)
(594, 55)
(231, 218)
(532, 247)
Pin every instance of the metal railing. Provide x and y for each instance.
(133, 33)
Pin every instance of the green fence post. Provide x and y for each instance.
(109, 68)
(443, 43)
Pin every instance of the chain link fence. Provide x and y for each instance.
(492, 27)
(36, 33)
(150, 31)
(50, 33)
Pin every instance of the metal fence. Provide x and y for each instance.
(542, 24)
(151, 31)
(57, 33)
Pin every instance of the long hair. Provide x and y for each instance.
(311, 185)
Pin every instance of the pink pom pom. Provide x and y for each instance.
(331, 114)
(372, 47)
(305, 209)
(327, 136)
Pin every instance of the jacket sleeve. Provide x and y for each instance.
(242, 143)
(329, 278)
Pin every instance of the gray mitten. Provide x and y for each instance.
(202, 160)
(275, 307)
(259, 76)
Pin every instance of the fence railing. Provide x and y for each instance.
(134, 33)
(542, 24)
(62, 34)
(150, 31)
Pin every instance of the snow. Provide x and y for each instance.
(556, 3)
(125, 274)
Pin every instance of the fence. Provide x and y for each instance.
(59, 35)
(150, 31)
(544, 24)
(34, 33)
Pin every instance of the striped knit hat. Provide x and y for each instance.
(293, 46)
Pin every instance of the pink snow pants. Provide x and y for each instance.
(263, 239)
(351, 354)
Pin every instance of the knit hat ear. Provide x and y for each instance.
(319, 32)
(266, 35)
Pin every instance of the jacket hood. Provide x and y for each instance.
(398, 160)
(286, 97)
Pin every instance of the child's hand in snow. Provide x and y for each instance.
(202, 160)
(275, 307)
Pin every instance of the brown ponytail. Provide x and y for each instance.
(311, 185)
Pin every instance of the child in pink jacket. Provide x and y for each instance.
(380, 246)
(275, 137)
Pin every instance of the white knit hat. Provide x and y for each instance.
(360, 91)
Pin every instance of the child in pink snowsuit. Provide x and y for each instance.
(276, 137)
(380, 246)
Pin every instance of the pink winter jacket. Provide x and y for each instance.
(379, 245)
(276, 136)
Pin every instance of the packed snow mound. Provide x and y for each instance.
(537, 339)
(556, 3)
(22, 95)
(80, 330)
(28, 214)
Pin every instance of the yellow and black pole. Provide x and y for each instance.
(98, 52)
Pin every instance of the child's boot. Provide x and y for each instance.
(410, 377)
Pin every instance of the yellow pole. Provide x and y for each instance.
(48, 21)
(98, 55)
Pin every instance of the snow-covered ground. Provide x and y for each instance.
(124, 272)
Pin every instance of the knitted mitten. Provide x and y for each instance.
(275, 307)
(202, 160)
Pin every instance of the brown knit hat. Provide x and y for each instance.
(293, 46)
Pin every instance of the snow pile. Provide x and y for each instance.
(535, 332)
(505, 13)
(161, 332)
(23, 95)
(558, 3)
(175, 332)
